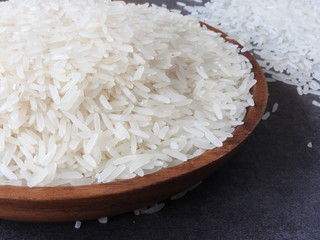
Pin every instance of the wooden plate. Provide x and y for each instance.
(41, 204)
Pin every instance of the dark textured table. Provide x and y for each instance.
(269, 190)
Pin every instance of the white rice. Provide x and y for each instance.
(316, 103)
(150, 210)
(85, 100)
(266, 115)
(77, 225)
(275, 107)
(284, 34)
(181, 4)
(103, 220)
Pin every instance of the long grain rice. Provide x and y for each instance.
(282, 34)
(87, 95)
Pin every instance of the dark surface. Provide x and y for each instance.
(269, 190)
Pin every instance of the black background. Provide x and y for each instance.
(269, 190)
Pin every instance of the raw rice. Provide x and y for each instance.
(283, 34)
(87, 100)
(77, 225)
(150, 210)
(103, 220)
(275, 107)
(266, 115)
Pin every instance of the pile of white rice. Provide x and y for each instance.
(94, 91)
(285, 34)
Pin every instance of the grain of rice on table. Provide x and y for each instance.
(94, 91)
(283, 34)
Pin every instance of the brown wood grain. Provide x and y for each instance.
(53, 204)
